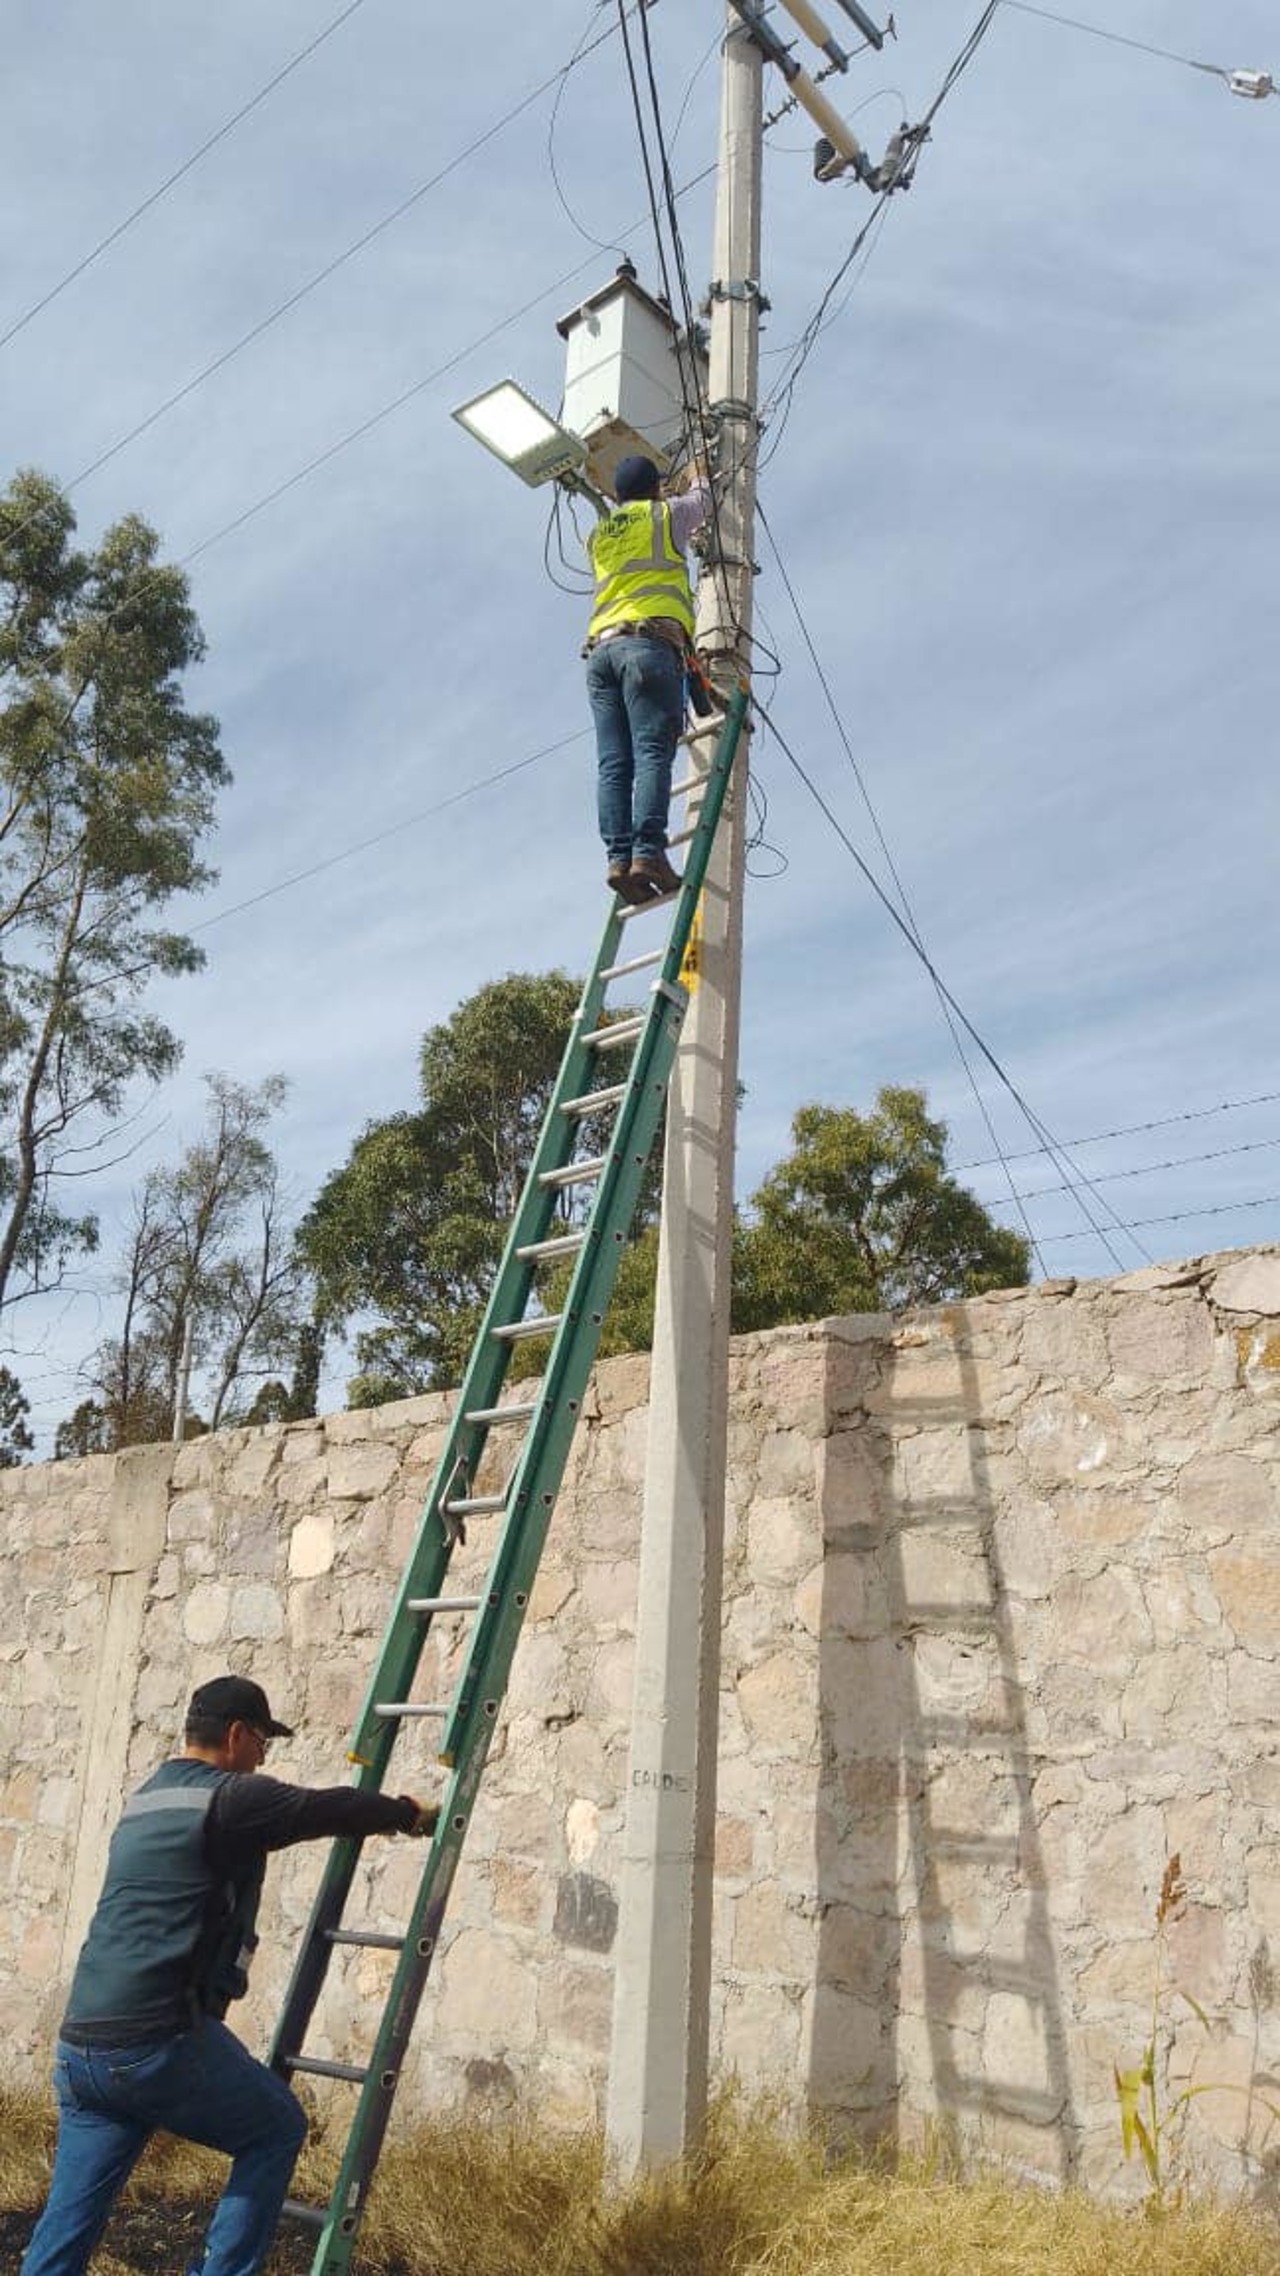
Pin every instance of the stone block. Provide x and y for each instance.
(1250, 1285)
(845, 1595)
(518, 1893)
(1248, 1590)
(1160, 1339)
(1228, 1494)
(851, 1482)
(760, 2034)
(206, 1611)
(845, 2050)
(256, 1614)
(782, 1534)
(735, 1848)
(586, 1912)
(771, 1936)
(575, 2004)
(356, 1472)
(779, 1702)
(192, 1516)
(311, 1546)
(488, 1995)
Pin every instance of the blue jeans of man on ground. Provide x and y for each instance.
(203, 2086)
(636, 689)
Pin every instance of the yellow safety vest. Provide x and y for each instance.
(639, 569)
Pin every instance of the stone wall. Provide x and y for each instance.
(1001, 1630)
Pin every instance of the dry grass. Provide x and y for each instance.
(463, 2198)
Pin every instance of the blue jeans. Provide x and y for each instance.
(636, 689)
(203, 2086)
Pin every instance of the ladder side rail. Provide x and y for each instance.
(631, 1142)
(484, 1678)
(485, 1374)
(405, 1635)
(492, 1650)
(541, 1468)
(516, 1560)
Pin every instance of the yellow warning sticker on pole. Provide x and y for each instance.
(691, 962)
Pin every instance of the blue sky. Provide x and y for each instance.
(1027, 494)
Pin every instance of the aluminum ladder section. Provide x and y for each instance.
(541, 1428)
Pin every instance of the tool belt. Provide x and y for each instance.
(642, 628)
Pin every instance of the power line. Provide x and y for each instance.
(1117, 39)
(900, 888)
(1132, 1129)
(358, 245)
(696, 412)
(345, 853)
(1154, 1169)
(1183, 1216)
(783, 392)
(1051, 1145)
(153, 198)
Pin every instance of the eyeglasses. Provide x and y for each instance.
(263, 1738)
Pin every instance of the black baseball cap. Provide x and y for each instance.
(236, 1699)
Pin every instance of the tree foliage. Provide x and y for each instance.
(15, 1437)
(411, 1228)
(405, 1239)
(209, 1283)
(107, 789)
(863, 1216)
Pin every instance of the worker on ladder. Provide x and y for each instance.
(640, 633)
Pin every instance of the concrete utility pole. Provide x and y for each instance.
(658, 2069)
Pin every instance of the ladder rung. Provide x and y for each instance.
(682, 837)
(545, 1325)
(691, 782)
(620, 1031)
(444, 1604)
(366, 1939)
(592, 1101)
(389, 1707)
(474, 1505)
(642, 908)
(575, 1173)
(563, 1245)
(314, 2068)
(711, 725)
(633, 964)
(314, 2215)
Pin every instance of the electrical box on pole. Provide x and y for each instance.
(627, 376)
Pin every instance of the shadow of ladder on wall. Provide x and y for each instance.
(541, 1429)
(992, 2011)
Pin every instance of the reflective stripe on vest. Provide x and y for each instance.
(639, 569)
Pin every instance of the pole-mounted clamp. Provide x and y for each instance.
(739, 288)
(732, 408)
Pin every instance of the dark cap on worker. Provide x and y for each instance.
(236, 1699)
(635, 477)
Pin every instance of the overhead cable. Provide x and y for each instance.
(904, 902)
(1135, 1129)
(1182, 1216)
(1253, 83)
(1081, 1185)
(1155, 1169)
(358, 245)
(153, 198)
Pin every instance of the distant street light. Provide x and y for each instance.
(524, 436)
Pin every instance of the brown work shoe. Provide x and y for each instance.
(620, 879)
(656, 873)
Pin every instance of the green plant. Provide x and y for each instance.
(1152, 2121)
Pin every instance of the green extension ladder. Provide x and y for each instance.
(545, 1425)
